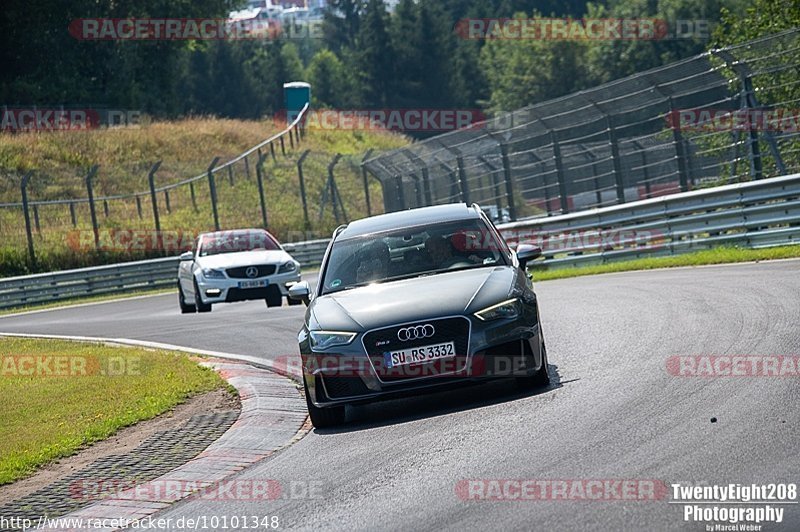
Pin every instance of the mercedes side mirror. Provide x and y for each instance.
(300, 292)
(188, 255)
(527, 253)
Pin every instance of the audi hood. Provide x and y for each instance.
(408, 300)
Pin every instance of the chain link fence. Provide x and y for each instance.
(725, 116)
(297, 194)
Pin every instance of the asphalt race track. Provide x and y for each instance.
(613, 412)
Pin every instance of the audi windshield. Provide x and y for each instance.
(401, 254)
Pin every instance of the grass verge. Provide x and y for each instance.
(63, 236)
(61, 396)
(721, 255)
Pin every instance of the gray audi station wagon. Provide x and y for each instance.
(413, 300)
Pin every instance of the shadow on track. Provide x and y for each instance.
(439, 403)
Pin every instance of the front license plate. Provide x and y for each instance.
(418, 355)
(253, 284)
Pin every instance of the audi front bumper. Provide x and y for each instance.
(489, 350)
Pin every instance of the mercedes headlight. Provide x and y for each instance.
(210, 273)
(510, 308)
(326, 339)
(288, 267)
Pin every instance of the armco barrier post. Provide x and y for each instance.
(166, 202)
(417, 161)
(335, 197)
(302, 181)
(139, 206)
(92, 211)
(509, 183)
(615, 160)
(212, 188)
(260, 180)
(680, 153)
(498, 197)
(748, 101)
(560, 177)
(151, 180)
(28, 234)
(72, 214)
(366, 181)
(401, 195)
(36, 219)
(194, 196)
(462, 179)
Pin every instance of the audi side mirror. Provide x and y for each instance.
(527, 253)
(188, 255)
(300, 292)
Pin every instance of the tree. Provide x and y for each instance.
(688, 25)
(374, 55)
(403, 32)
(329, 83)
(290, 58)
(762, 17)
(341, 21)
(523, 72)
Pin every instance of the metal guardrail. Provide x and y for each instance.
(100, 280)
(753, 214)
(308, 253)
(118, 278)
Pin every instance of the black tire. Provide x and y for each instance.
(274, 297)
(541, 378)
(323, 418)
(185, 308)
(198, 301)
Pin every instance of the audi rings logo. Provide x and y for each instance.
(251, 272)
(415, 333)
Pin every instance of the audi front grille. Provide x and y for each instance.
(380, 341)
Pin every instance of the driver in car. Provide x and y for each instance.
(441, 252)
(374, 263)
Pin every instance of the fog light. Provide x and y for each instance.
(213, 292)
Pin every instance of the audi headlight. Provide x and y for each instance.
(288, 267)
(326, 339)
(210, 273)
(506, 309)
